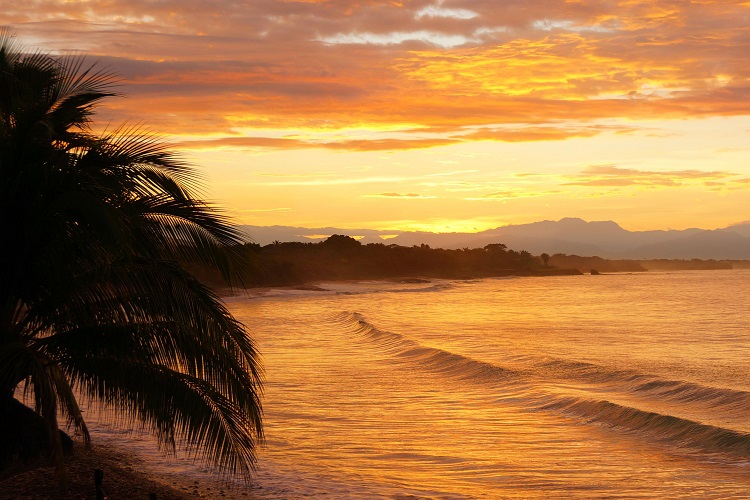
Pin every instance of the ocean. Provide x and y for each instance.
(616, 386)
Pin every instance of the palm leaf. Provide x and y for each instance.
(95, 298)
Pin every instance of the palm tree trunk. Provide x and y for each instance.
(25, 436)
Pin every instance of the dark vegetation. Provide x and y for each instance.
(601, 265)
(94, 299)
(341, 257)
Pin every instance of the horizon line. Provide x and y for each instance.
(388, 231)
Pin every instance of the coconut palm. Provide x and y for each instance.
(95, 300)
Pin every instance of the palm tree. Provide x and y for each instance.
(95, 301)
(545, 259)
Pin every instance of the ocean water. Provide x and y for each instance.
(616, 386)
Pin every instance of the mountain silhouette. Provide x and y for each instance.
(570, 236)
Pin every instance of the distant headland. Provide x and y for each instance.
(574, 236)
(342, 257)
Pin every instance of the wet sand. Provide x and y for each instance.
(124, 478)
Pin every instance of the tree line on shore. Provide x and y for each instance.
(342, 257)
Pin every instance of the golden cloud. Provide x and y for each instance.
(610, 175)
(407, 196)
(208, 68)
(290, 143)
(512, 194)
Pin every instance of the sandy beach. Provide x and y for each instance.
(124, 478)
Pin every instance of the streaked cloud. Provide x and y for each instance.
(503, 134)
(354, 97)
(452, 172)
(335, 182)
(512, 194)
(440, 11)
(263, 210)
(542, 133)
(610, 175)
(386, 144)
(407, 196)
(742, 183)
(434, 64)
(430, 37)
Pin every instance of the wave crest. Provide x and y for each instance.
(524, 385)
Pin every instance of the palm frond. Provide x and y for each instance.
(175, 405)
(21, 362)
(95, 298)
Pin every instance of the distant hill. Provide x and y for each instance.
(743, 228)
(719, 244)
(569, 236)
(264, 235)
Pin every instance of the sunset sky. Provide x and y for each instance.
(433, 115)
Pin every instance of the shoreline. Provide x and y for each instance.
(125, 477)
(313, 285)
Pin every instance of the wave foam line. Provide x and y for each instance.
(650, 385)
(433, 359)
(667, 428)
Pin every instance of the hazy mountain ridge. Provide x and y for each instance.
(569, 235)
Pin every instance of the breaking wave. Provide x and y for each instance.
(529, 384)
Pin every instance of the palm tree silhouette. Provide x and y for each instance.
(94, 299)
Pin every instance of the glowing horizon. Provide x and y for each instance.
(434, 115)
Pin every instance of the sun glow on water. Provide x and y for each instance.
(560, 386)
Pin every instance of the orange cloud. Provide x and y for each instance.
(529, 134)
(482, 76)
(512, 194)
(213, 68)
(287, 143)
